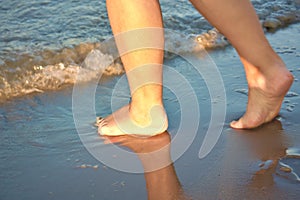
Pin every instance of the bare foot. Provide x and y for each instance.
(128, 121)
(266, 93)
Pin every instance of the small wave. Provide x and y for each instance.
(20, 78)
(43, 70)
(50, 77)
(277, 13)
(28, 74)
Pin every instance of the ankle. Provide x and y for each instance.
(144, 108)
(265, 62)
(143, 114)
(144, 103)
(274, 64)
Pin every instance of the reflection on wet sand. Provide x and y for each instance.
(268, 144)
(257, 164)
(254, 164)
(154, 153)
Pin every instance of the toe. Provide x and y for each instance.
(106, 130)
(98, 121)
(247, 123)
(236, 124)
(103, 130)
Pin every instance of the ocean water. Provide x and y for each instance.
(44, 43)
(41, 154)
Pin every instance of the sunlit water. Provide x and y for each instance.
(43, 43)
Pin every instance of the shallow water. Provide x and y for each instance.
(42, 155)
(43, 44)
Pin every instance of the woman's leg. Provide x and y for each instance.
(145, 114)
(267, 76)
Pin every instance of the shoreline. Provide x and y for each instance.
(43, 156)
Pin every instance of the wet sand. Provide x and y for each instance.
(42, 156)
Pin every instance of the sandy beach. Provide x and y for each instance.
(42, 156)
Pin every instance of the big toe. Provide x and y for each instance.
(103, 130)
(108, 131)
(246, 122)
(237, 124)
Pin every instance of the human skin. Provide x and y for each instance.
(145, 114)
(268, 78)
